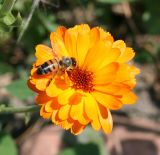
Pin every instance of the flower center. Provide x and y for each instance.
(81, 79)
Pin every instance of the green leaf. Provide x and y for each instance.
(6, 7)
(4, 68)
(20, 89)
(114, 1)
(7, 145)
(68, 152)
(82, 149)
(9, 19)
(91, 136)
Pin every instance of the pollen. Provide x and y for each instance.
(81, 79)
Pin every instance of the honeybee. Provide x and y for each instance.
(57, 66)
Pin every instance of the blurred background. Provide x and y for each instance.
(26, 23)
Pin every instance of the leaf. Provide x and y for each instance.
(20, 89)
(114, 1)
(68, 152)
(9, 19)
(82, 149)
(4, 68)
(7, 145)
(94, 137)
(6, 7)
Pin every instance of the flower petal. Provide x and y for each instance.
(76, 111)
(106, 123)
(94, 36)
(64, 97)
(63, 112)
(77, 128)
(43, 113)
(126, 52)
(32, 86)
(41, 84)
(129, 98)
(113, 88)
(58, 45)
(42, 98)
(43, 54)
(108, 101)
(70, 40)
(106, 74)
(96, 124)
(101, 55)
(56, 87)
(90, 106)
(66, 124)
(83, 41)
(105, 35)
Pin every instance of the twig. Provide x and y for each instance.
(9, 110)
(35, 4)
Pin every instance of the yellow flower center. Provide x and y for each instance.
(82, 79)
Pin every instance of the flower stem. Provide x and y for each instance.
(9, 110)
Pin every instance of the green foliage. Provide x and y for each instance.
(4, 68)
(115, 1)
(19, 89)
(7, 145)
(7, 19)
(82, 149)
(143, 57)
(89, 142)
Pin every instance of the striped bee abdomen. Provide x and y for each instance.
(50, 66)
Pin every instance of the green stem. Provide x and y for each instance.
(9, 110)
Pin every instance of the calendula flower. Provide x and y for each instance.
(102, 80)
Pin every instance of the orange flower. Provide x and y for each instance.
(102, 80)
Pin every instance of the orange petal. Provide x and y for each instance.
(83, 42)
(101, 55)
(42, 98)
(108, 101)
(75, 98)
(32, 86)
(61, 31)
(96, 124)
(63, 112)
(70, 40)
(90, 107)
(94, 36)
(55, 88)
(77, 113)
(42, 84)
(129, 98)
(43, 54)
(106, 74)
(58, 45)
(127, 55)
(113, 89)
(126, 52)
(105, 35)
(77, 128)
(51, 105)
(106, 123)
(66, 124)
(43, 113)
(120, 44)
(54, 117)
(64, 97)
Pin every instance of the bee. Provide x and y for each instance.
(57, 66)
